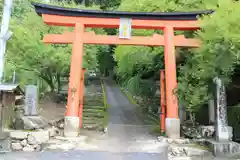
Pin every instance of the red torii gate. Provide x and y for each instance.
(81, 19)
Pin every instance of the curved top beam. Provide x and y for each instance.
(55, 10)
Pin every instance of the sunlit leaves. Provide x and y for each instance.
(28, 55)
(217, 56)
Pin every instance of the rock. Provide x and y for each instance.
(209, 131)
(177, 151)
(67, 146)
(15, 141)
(24, 142)
(62, 146)
(191, 132)
(170, 141)
(38, 148)
(198, 136)
(195, 152)
(201, 142)
(160, 138)
(41, 136)
(34, 122)
(53, 131)
(5, 143)
(28, 149)
(31, 140)
(180, 158)
(17, 146)
(105, 130)
(181, 141)
(19, 135)
(35, 145)
(60, 124)
(18, 124)
(72, 139)
(19, 101)
(165, 140)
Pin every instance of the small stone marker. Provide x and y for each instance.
(221, 111)
(31, 100)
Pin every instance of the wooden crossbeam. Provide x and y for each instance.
(92, 38)
(115, 22)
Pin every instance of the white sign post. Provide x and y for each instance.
(31, 100)
(125, 28)
(4, 34)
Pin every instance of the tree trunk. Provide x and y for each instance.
(58, 82)
(49, 80)
(193, 118)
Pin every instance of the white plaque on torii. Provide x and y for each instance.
(125, 28)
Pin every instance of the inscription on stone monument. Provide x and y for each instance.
(31, 100)
(221, 111)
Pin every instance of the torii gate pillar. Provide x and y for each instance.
(172, 121)
(72, 121)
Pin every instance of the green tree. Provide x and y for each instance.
(217, 56)
(28, 55)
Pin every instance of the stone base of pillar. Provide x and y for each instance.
(71, 126)
(173, 128)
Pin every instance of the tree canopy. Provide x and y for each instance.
(27, 55)
(217, 56)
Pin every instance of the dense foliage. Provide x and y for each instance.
(34, 61)
(104, 4)
(136, 67)
(217, 56)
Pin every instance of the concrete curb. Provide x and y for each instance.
(106, 106)
(129, 96)
(104, 94)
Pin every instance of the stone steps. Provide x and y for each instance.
(91, 110)
(93, 115)
(93, 126)
(92, 107)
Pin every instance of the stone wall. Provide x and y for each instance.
(30, 141)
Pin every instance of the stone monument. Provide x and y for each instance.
(222, 144)
(31, 100)
(211, 111)
(221, 111)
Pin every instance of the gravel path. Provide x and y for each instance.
(126, 133)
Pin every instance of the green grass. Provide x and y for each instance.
(104, 94)
(106, 105)
(156, 129)
(201, 147)
(129, 96)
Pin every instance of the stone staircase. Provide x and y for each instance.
(94, 111)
